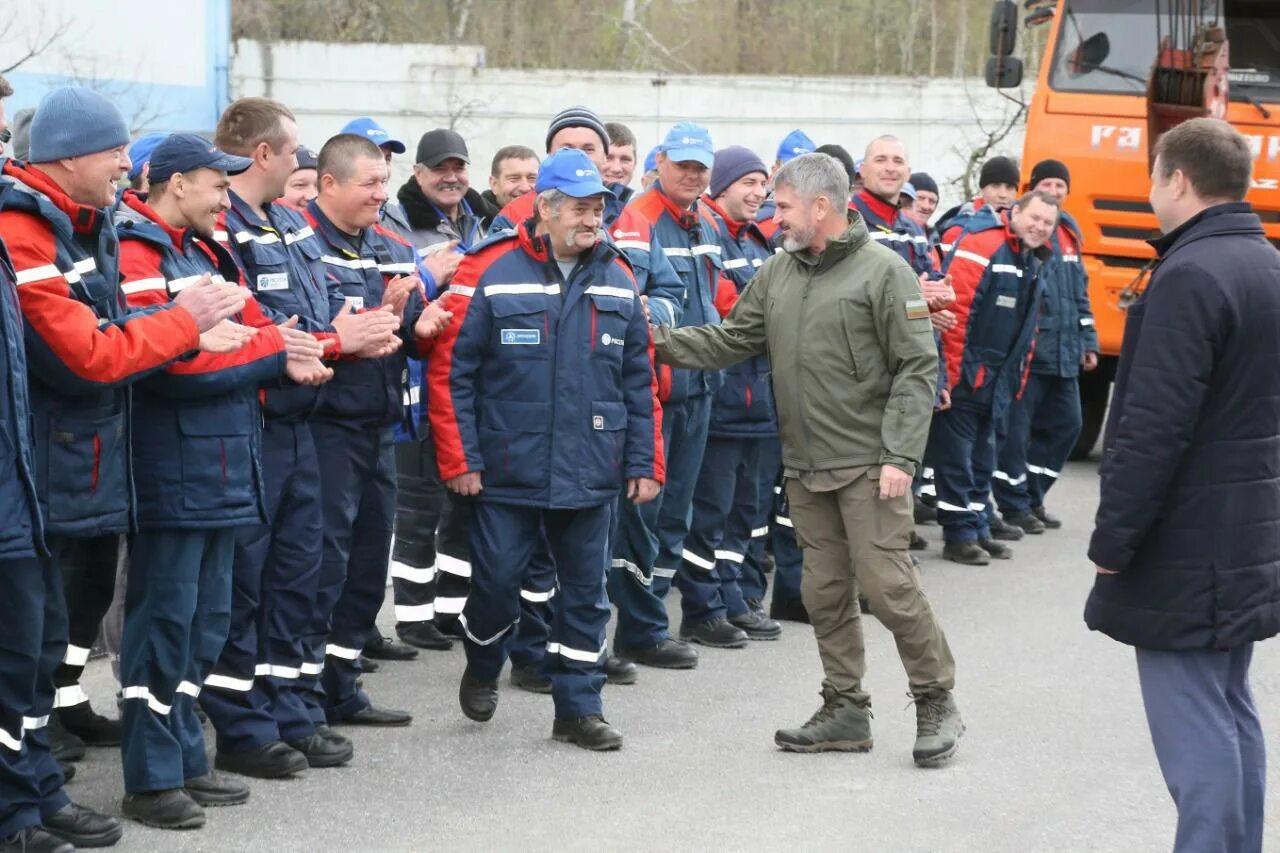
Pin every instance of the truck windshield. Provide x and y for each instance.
(1107, 46)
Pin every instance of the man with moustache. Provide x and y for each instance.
(513, 173)
(438, 200)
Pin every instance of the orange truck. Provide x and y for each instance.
(1090, 110)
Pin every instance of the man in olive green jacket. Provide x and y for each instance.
(855, 365)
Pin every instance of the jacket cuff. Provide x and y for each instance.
(1108, 554)
(907, 465)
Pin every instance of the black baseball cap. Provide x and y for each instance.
(186, 152)
(442, 144)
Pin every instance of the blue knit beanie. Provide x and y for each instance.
(731, 164)
(74, 121)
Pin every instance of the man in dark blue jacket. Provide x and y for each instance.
(543, 404)
(1045, 421)
(1187, 542)
(996, 275)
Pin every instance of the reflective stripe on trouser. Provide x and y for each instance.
(357, 499)
(177, 611)
(1042, 432)
(33, 636)
(503, 538)
(725, 510)
(419, 500)
(453, 558)
(854, 542)
(537, 607)
(961, 452)
(651, 536)
(253, 696)
(88, 569)
(754, 581)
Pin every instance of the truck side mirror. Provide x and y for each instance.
(1003, 34)
(1004, 72)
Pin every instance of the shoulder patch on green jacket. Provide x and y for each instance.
(917, 309)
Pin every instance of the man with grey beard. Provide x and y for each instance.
(855, 365)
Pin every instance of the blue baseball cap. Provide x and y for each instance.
(186, 152)
(141, 149)
(687, 142)
(307, 158)
(794, 144)
(651, 159)
(908, 189)
(374, 132)
(571, 172)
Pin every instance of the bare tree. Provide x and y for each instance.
(934, 39)
(962, 38)
(34, 38)
(459, 17)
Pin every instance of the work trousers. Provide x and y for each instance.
(854, 542)
(1043, 427)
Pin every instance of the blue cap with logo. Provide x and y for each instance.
(186, 152)
(141, 150)
(651, 159)
(374, 132)
(688, 142)
(909, 190)
(794, 144)
(571, 172)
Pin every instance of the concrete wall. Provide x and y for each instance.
(414, 88)
(164, 63)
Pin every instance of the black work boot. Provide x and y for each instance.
(83, 826)
(1027, 521)
(369, 665)
(216, 789)
(63, 744)
(967, 553)
(529, 677)
(35, 839)
(320, 750)
(88, 725)
(424, 635)
(171, 809)
(756, 625)
(592, 733)
(376, 716)
(1001, 530)
(717, 633)
(938, 727)
(998, 550)
(274, 760)
(1050, 521)
(789, 610)
(68, 772)
(385, 648)
(619, 670)
(668, 654)
(924, 514)
(918, 542)
(479, 699)
(838, 726)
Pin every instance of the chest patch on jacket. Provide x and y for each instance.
(273, 281)
(1006, 302)
(518, 337)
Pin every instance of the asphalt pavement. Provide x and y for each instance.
(1056, 757)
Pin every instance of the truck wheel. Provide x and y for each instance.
(1095, 393)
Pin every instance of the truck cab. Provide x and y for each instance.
(1089, 110)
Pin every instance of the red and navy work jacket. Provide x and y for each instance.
(691, 243)
(887, 224)
(196, 425)
(279, 260)
(22, 533)
(1066, 330)
(83, 350)
(542, 384)
(998, 291)
(357, 269)
(743, 406)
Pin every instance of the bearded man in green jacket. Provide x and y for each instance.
(855, 369)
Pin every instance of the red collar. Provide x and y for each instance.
(83, 217)
(1010, 236)
(136, 201)
(684, 218)
(881, 208)
(735, 226)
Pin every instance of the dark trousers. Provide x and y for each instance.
(88, 569)
(537, 607)
(503, 539)
(453, 558)
(651, 536)
(177, 612)
(961, 452)
(754, 580)
(726, 509)
(1043, 428)
(255, 693)
(419, 502)
(1209, 742)
(358, 495)
(33, 636)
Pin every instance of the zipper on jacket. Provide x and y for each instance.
(800, 407)
(97, 463)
